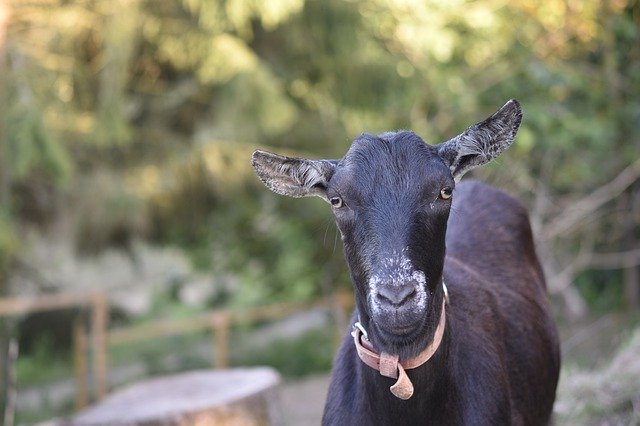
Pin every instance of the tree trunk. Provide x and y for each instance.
(632, 287)
(4, 83)
(4, 200)
(247, 396)
(632, 273)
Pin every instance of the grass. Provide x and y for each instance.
(43, 365)
(307, 354)
(609, 395)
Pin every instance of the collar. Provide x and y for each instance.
(389, 365)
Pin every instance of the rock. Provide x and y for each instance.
(247, 396)
(197, 291)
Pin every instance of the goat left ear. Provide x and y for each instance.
(483, 141)
(294, 177)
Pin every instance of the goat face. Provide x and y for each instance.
(391, 197)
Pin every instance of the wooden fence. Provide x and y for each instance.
(97, 305)
(90, 346)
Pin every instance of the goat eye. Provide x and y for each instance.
(445, 193)
(336, 202)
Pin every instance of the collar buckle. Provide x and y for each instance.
(359, 326)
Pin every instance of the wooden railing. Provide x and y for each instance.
(90, 346)
(98, 307)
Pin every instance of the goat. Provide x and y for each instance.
(450, 298)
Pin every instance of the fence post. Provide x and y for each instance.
(12, 383)
(99, 324)
(80, 361)
(220, 322)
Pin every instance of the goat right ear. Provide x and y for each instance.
(294, 177)
(483, 141)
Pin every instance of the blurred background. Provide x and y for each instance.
(126, 129)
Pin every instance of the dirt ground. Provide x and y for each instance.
(303, 400)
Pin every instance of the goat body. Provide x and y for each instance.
(405, 236)
(498, 363)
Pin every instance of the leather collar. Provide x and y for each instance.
(389, 365)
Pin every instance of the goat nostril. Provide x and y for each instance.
(396, 296)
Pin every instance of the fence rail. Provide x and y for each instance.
(90, 346)
(98, 307)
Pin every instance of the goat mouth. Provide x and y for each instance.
(398, 331)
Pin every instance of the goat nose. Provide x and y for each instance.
(396, 295)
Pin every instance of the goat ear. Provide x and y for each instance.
(294, 177)
(483, 141)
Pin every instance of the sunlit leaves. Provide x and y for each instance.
(236, 15)
(432, 32)
(227, 57)
(254, 105)
(269, 13)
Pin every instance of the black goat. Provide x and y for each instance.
(488, 357)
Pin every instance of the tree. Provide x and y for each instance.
(168, 96)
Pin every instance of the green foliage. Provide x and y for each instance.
(145, 90)
(45, 413)
(602, 290)
(32, 149)
(9, 242)
(257, 94)
(43, 364)
(108, 213)
(274, 257)
(310, 353)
